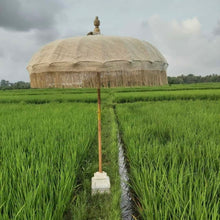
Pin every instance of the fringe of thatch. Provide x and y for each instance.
(89, 79)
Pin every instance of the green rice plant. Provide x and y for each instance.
(49, 91)
(48, 153)
(174, 87)
(105, 206)
(173, 151)
(42, 148)
(42, 99)
(41, 96)
(208, 94)
(47, 98)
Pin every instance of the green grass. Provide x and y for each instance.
(56, 144)
(47, 91)
(173, 149)
(42, 96)
(47, 98)
(207, 94)
(42, 151)
(101, 206)
(48, 153)
(174, 87)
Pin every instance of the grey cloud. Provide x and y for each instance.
(45, 36)
(1, 52)
(217, 29)
(27, 25)
(24, 15)
(184, 45)
(18, 47)
(74, 33)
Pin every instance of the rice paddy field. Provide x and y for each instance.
(170, 135)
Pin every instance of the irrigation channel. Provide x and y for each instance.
(126, 201)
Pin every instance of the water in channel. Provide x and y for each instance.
(126, 203)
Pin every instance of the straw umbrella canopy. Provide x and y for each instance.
(96, 60)
(122, 61)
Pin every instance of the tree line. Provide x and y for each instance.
(182, 79)
(5, 84)
(190, 78)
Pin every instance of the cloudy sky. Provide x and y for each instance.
(186, 32)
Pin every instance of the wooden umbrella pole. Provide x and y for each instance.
(99, 123)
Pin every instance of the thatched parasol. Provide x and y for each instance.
(122, 61)
(97, 61)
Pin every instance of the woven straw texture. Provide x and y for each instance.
(74, 62)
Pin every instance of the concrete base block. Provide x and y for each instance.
(100, 183)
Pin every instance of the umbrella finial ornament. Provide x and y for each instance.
(96, 29)
(97, 24)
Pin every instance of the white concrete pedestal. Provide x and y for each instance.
(100, 183)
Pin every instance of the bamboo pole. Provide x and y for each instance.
(99, 123)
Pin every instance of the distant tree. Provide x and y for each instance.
(4, 84)
(21, 85)
(190, 78)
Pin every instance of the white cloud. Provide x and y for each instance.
(184, 45)
(188, 26)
